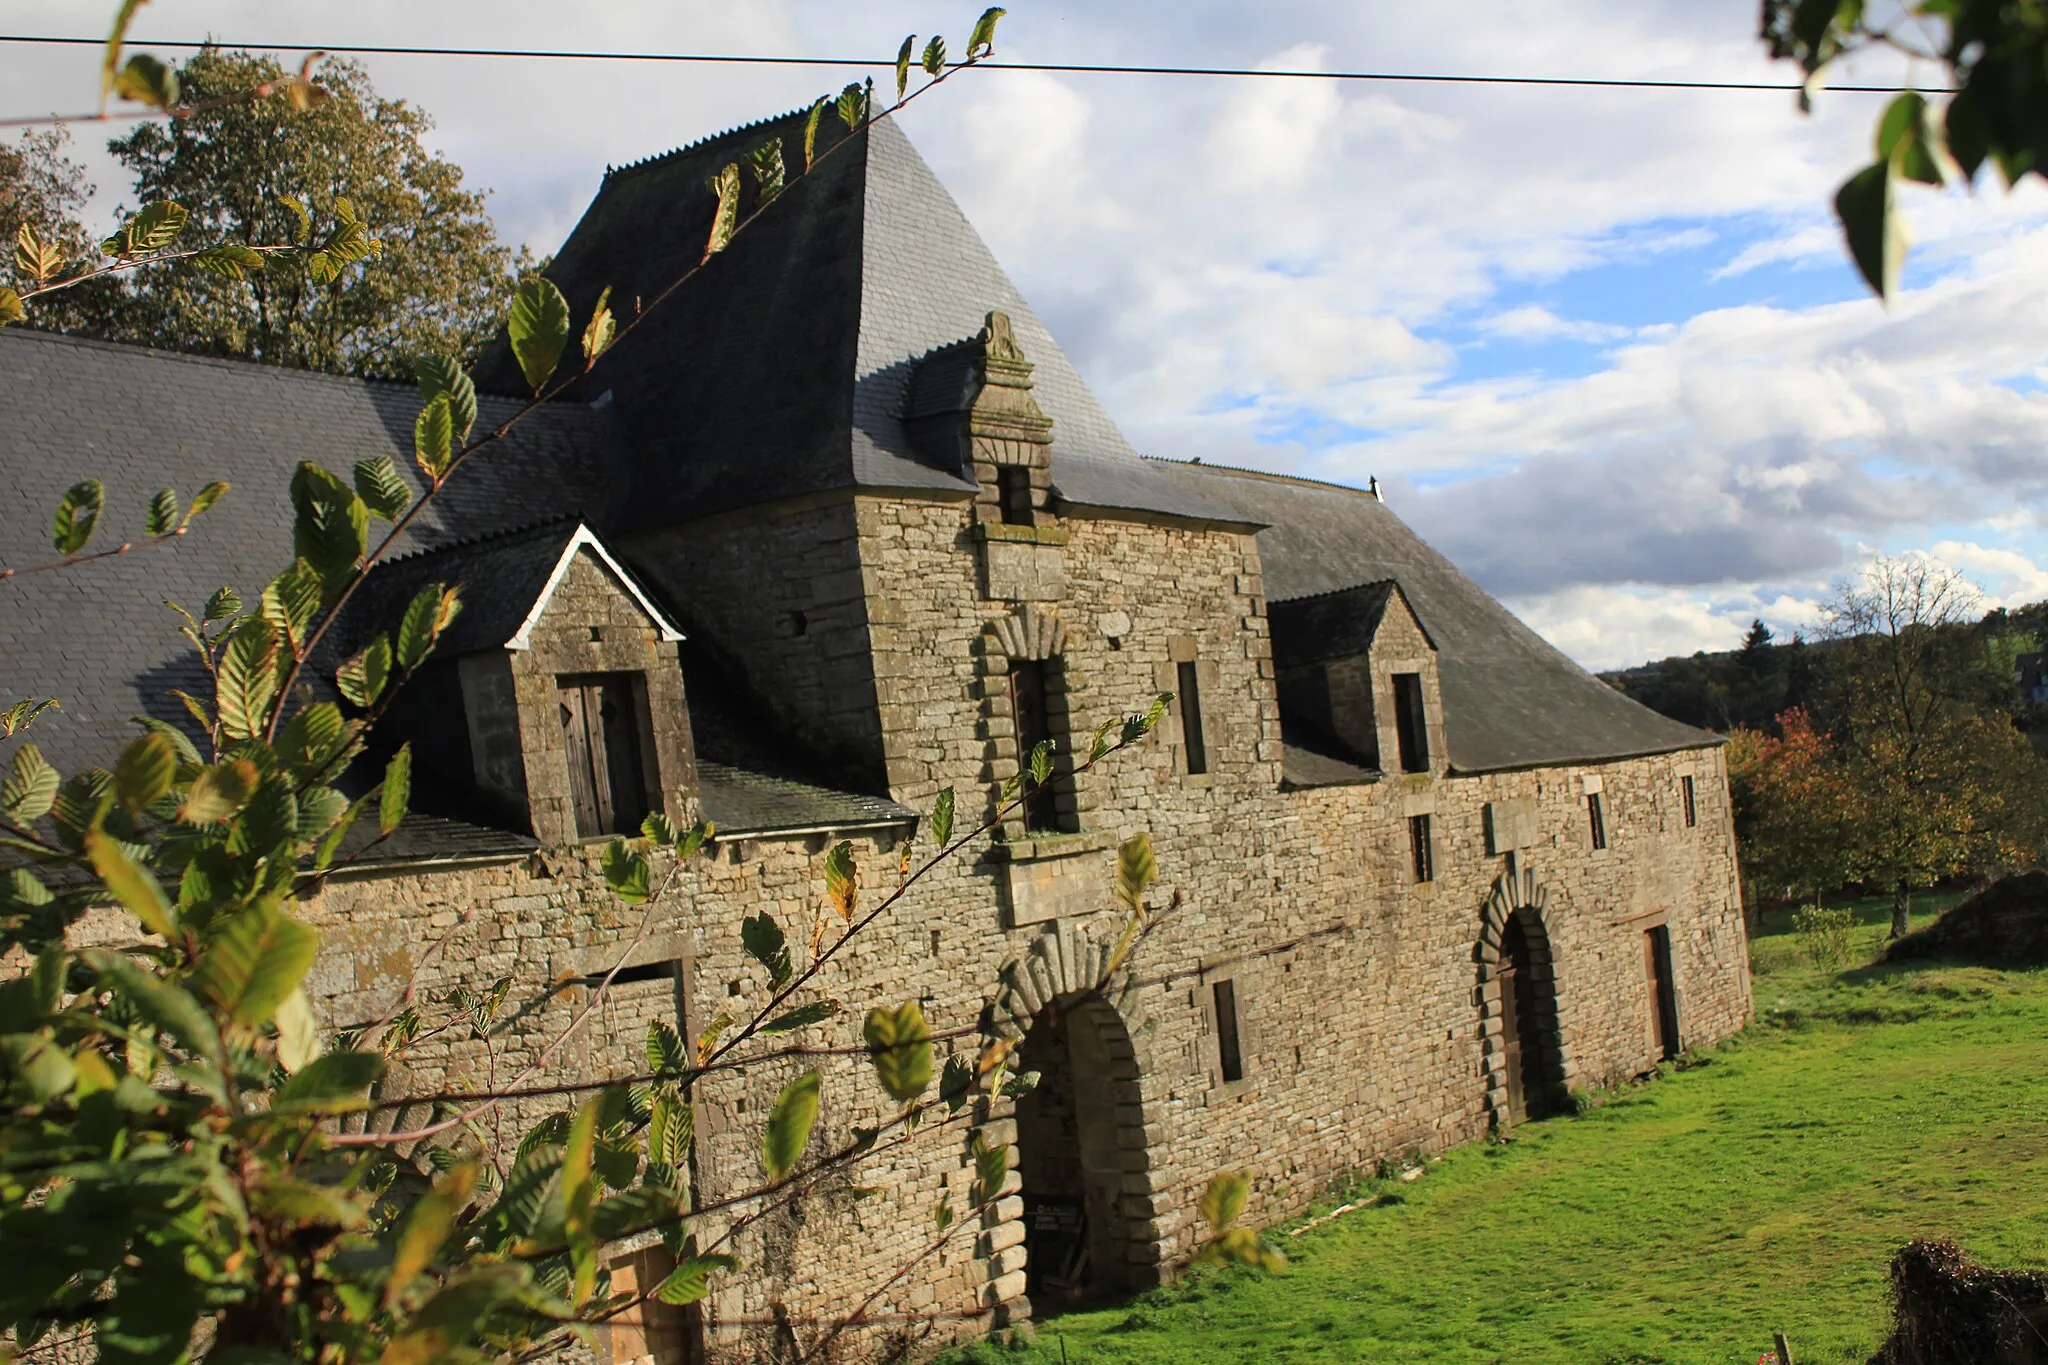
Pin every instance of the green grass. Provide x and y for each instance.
(1763, 1184)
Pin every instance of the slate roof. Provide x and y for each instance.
(782, 369)
(1511, 700)
(98, 636)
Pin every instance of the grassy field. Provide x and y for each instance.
(1760, 1185)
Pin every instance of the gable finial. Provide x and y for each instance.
(999, 338)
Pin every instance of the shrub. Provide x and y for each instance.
(1823, 935)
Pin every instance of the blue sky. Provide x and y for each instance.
(1600, 346)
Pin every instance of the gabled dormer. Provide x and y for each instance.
(554, 702)
(1357, 677)
(969, 410)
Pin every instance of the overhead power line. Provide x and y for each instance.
(1070, 68)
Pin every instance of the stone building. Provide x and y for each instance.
(836, 527)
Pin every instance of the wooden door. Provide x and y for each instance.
(1512, 987)
(601, 739)
(1663, 994)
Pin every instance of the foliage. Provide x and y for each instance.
(1745, 688)
(1824, 934)
(252, 170)
(1995, 55)
(1796, 810)
(1678, 1221)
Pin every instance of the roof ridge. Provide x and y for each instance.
(1248, 472)
(647, 163)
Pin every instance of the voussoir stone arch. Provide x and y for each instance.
(1518, 894)
(1062, 962)
(1031, 632)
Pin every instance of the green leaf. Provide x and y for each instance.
(803, 1016)
(442, 1331)
(253, 960)
(333, 1084)
(789, 1126)
(439, 376)
(810, 133)
(302, 218)
(991, 1169)
(429, 613)
(248, 678)
(229, 261)
(579, 1198)
(330, 526)
(690, 1282)
(24, 713)
(1904, 137)
(1875, 232)
(726, 217)
(269, 827)
(145, 770)
(208, 496)
(942, 818)
(626, 872)
(842, 885)
(31, 787)
(298, 1033)
(983, 40)
(708, 1036)
(291, 601)
(429, 1226)
(852, 105)
(903, 56)
(1223, 1201)
(665, 1051)
(942, 1214)
(147, 80)
(901, 1042)
(956, 1082)
(380, 488)
(161, 1004)
(361, 679)
(78, 512)
(433, 437)
(766, 164)
(131, 883)
(601, 331)
(659, 829)
(34, 1069)
(224, 603)
(671, 1128)
(397, 793)
(934, 58)
(539, 327)
(180, 742)
(11, 310)
(763, 939)
(161, 518)
(312, 738)
(218, 792)
(151, 230)
(1135, 869)
(1041, 762)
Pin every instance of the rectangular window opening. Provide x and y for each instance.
(1196, 752)
(1031, 712)
(601, 737)
(646, 971)
(1411, 728)
(1692, 812)
(1421, 852)
(1597, 819)
(1228, 1052)
(1013, 492)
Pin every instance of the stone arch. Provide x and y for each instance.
(1031, 632)
(1085, 1215)
(1547, 1070)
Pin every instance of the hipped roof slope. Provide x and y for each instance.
(1511, 700)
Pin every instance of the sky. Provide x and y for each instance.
(1601, 347)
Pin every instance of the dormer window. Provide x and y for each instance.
(600, 715)
(1411, 725)
(1013, 493)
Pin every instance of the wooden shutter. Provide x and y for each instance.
(601, 740)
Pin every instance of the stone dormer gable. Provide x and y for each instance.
(1357, 678)
(969, 410)
(564, 673)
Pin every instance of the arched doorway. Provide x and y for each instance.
(1075, 1130)
(1528, 1075)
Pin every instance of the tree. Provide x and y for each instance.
(1944, 782)
(1795, 810)
(246, 169)
(1995, 55)
(171, 1165)
(42, 189)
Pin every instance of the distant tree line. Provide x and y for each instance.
(1895, 750)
